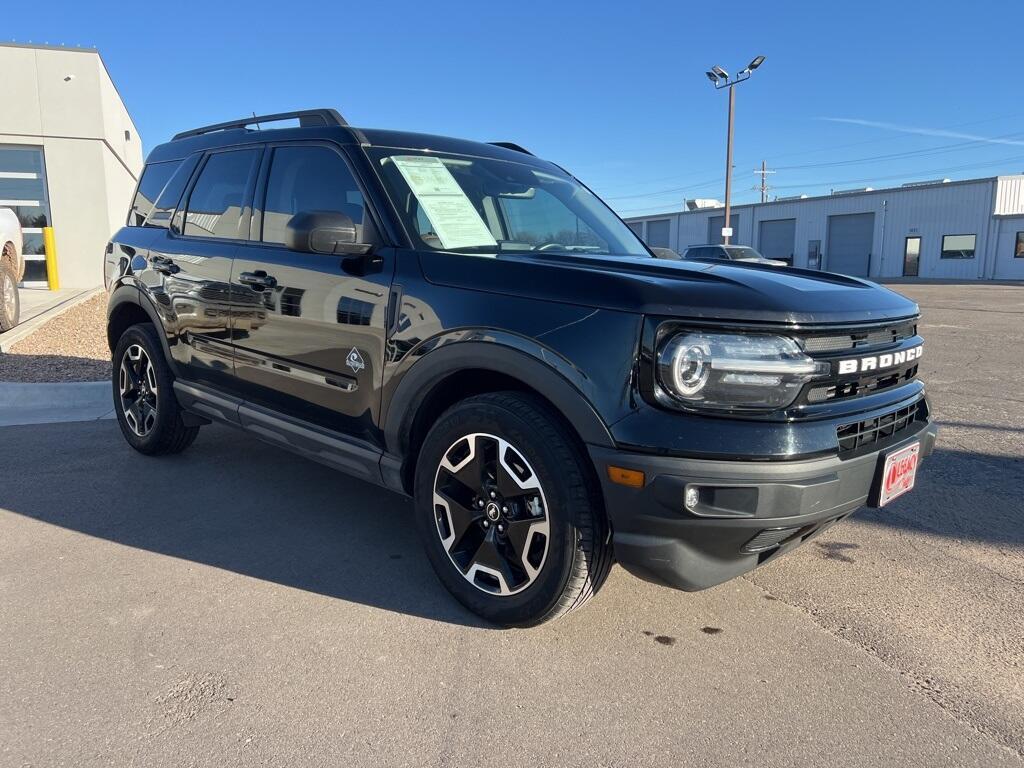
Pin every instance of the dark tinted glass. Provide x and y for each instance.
(308, 178)
(215, 205)
(171, 194)
(154, 177)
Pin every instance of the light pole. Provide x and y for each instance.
(720, 78)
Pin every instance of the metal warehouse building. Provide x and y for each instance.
(956, 230)
(70, 156)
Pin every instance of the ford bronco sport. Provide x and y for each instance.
(467, 324)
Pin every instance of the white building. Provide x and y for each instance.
(70, 157)
(959, 230)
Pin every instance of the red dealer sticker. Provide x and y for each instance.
(898, 473)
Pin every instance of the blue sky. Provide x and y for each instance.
(851, 94)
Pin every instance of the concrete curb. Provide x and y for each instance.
(49, 403)
(23, 330)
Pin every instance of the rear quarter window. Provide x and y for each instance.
(154, 178)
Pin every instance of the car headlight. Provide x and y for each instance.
(734, 371)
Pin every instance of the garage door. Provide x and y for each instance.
(849, 243)
(657, 233)
(715, 224)
(776, 239)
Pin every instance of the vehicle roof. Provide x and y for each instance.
(365, 137)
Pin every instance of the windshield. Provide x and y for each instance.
(487, 207)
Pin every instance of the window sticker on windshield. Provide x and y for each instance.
(453, 217)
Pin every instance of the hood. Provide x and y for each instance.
(691, 290)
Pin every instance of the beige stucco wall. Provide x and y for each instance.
(64, 101)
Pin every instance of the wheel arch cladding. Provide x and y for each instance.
(127, 308)
(454, 372)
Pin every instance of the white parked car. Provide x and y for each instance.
(729, 253)
(12, 268)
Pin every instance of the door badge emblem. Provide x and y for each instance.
(355, 360)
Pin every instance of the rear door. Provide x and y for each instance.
(188, 274)
(314, 347)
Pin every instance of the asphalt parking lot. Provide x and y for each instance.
(236, 605)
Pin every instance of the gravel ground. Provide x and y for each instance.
(71, 347)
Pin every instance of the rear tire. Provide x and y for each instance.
(144, 401)
(10, 301)
(509, 511)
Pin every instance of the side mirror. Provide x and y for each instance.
(665, 253)
(324, 232)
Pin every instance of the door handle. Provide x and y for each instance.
(164, 266)
(258, 280)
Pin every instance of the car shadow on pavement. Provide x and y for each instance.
(962, 495)
(230, 502)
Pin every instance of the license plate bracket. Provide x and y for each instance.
(897, 474)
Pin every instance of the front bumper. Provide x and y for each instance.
(748, 511)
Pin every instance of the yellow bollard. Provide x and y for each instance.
(50, 246)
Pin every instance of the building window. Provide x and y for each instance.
(958, 246)
(1018, 250)
(23, 190)
(657, 233)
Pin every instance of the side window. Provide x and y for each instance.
(154, 177)
(171, 196)
(215, 205)
(308, 178)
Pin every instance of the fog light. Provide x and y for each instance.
(692, 498)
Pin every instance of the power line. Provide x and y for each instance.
(870, 179)
(941, 149)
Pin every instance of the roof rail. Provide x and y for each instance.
(512, 146)
(306, 118)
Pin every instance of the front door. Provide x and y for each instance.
(309, 335)
(911, 256)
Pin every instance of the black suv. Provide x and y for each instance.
(469, 325)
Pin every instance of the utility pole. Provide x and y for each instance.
(763, 186)
(727, 226)
(721, 79)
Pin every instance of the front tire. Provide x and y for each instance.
(509, 511)
(147, 410)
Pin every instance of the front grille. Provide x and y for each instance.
(861, 386)
(835, 345)
(860, 340)
(872, 434)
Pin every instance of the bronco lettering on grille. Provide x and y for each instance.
(880, 362)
